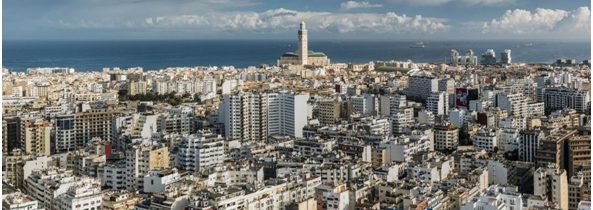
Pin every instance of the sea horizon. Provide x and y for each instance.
(94, 55)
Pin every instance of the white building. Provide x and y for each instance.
(551, 183)
(158, 180)
(420, 85)
(363, 104)
(438, 103)
(80, 196)
(515, 104)
(391, 103)
(486, 139)
(201, 151)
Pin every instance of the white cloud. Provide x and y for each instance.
(540, 21)
(458, 2)
(282, 20)
(358, 5)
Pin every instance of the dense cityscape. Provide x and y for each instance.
(475, 132)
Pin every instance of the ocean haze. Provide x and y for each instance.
(158, 54)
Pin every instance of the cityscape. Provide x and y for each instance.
(476, 130)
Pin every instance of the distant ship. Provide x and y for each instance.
(528, 44)
(418, 45)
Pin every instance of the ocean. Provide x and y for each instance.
(152, 55)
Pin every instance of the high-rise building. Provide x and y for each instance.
(255, 116)
(505, 57)
(551, 183)
(391, 103)
(245, 116)
(560, 98)
(201, 151)
(470, 59)
(65, 134)
(363, 104)
(36, 134)
(420, 86)
(437, 103)
(11, 133)
(529, 143)
(287, 113)
(489, 57)
(515, 104)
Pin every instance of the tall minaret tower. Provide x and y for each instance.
(303, 48)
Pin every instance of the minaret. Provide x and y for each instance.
(303, 49)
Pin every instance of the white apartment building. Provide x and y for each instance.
(391, 103)
(420, 86)
(80, 196)
(114, 175)
(363, 104)
(19, 201)
(333, 197)
(158, 180)
(255, 116)
(551, 183)
(486, 139)
(438, 103)
(201, 151)
(515, 104)
(48, 186)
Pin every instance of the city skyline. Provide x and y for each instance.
(341, 20)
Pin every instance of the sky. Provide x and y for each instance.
(279, 19)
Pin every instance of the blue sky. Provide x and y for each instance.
(278, 19)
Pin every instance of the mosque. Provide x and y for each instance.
(303, 56)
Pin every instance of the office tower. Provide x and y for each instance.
(287, 113)
(515, 104)
(529, 143)
(391, 103)
(303, 44)
(553, 149)
(141, 157)
(505, 57)
(201, 151)
(36, 137)
(328, 111)
(136, 88)
(420, 86)
(489, 57)
(65, 134)
(560, 98)
(437, 103)
(551, 182)
(446, 137)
